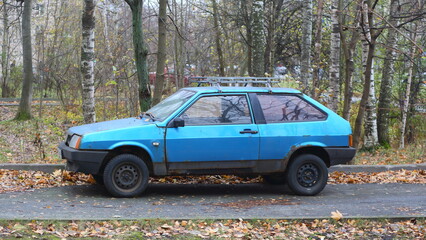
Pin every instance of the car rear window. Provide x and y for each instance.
(288, 108)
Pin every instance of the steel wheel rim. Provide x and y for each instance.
(308, 175)
(127, 176)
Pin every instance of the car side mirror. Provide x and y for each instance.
(177, 122)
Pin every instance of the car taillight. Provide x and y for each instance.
(350, 141)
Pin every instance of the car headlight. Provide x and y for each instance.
(75, 141)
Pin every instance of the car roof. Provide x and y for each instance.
(242, 89)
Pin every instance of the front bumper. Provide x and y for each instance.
(85, 161)
(340, 155)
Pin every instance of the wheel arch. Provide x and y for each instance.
(129, 149)
(309, 149)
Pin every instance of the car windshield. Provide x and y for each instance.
(166, 107)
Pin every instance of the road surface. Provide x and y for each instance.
(247, 201)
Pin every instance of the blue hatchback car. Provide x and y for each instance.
(278, 133)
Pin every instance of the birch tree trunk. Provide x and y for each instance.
(370, 121)
(335, 56)
(161, 52)
(24, 110)
(258, 39)
(387, 78)
(370, 125)
(141, 53)
(408, 90)
(305, 63)
(5, 52)
(217, 39)
(367, 24)
(317, 51)
(88, 61)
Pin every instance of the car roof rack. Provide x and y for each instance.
(244, 81)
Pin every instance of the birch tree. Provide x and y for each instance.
(88, 61)
(370, 35)
(258, 39)
(161, 52)
(408, 89)
(305, 62)
(24, 110)
(335, 56)
(141, 53)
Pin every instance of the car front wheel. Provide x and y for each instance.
(126, 175)
(307, 175)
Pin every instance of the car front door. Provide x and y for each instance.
(219, 132)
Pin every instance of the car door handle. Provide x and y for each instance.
(248, 131)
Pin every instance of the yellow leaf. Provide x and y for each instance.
(336, 215)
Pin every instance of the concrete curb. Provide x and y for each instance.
(49, 168)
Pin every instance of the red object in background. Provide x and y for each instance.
(167, 76)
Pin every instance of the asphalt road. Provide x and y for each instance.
(247, 201)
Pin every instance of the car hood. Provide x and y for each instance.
(109, 125)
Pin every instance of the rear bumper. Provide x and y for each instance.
(82, 160)
(340, 155)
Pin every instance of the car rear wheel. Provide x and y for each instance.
(126, 175)
(307, 175)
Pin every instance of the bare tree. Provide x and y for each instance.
(161, 52)
(5, 52)
(387, 77)
(141, 53)
(305, 62)
(88, 61)
(317, 48)
(24, 110)
(258, 39)
(335, 56)
(408, 88)
(217, 39)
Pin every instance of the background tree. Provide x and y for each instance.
(258, 39)
(387, 77)
(24, 110)
(305, 57)
(335, 55)
(161, 52)
(88, 61)
(141, 53)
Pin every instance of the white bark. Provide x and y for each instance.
(258, 39)
(335, 56)
(408, 90)
(88, 61)
(305, 63)
(370, 121)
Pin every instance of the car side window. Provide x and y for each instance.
(214, 110)
(288, 108)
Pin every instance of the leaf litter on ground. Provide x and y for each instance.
(218, 229)
(20, 180)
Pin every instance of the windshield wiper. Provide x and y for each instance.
(150, 115)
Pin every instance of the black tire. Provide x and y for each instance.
(98, 178)
(275, 179)
(307, 175)
(126, 175)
